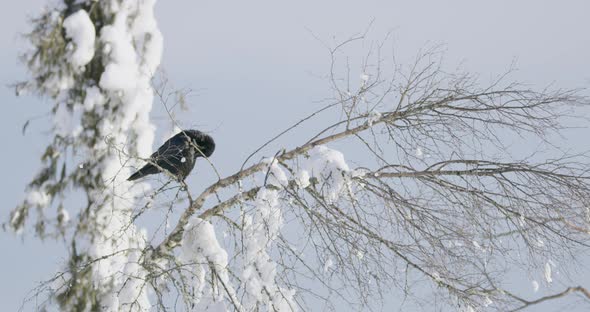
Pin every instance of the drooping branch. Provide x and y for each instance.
(518, 111)
(569, 290)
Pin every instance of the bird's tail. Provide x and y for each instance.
(145, 170)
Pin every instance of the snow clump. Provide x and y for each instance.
(80, 30)
(327, 166)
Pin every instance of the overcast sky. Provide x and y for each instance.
(248, 60)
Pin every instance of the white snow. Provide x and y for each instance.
(93, 98)
(200, 248)
(127, 84)
(259, 232)
(15, 217)
(329, 167)
(436, 277)
(364, 78)
(419, 152)
(374, 116)
(328, 264)
(128, 75)
(38, 198)
(199, 241)
(63, 215)
(145, 29)
(359, 254)
(59, 82)
(122, 71)
(302, 179)
(487, 302)
(535, 286)
(547, 273)
(477, 245)
(359, 172)
(80, 30)
(67, 122)
(274, 174)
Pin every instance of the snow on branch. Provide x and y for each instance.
(96, 59)
(80, 30)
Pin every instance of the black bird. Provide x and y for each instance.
(178, 155)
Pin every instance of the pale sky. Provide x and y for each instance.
(247, 60)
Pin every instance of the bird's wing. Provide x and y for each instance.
(174, 147)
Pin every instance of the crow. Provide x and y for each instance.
(178, 155)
